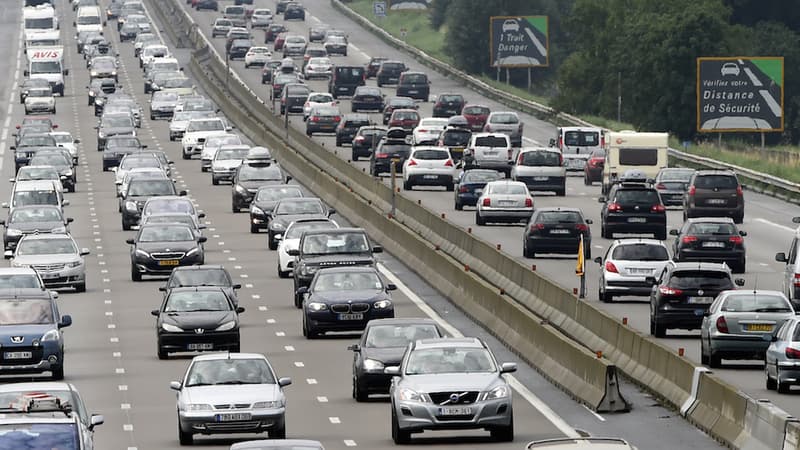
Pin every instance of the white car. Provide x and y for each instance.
(227, 159)
(55, 257)
(504, 201)
(317, 99)
(318, 67)
(40, 99)
(294, 45)
(196, 133)
(510, 25)
(290, 240)
(65, 140)
(428, 129)
(180, 120)
(429, 166)
(261, 18)
(212, 144)
(257, 56)
(626, 266)
(151, 52)
(135, 160)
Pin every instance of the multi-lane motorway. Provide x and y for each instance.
(110, 350)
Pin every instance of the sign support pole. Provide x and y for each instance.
(508, 76)
(763, 139)
(498, 74)
(530, 84)
(393, 174)
(580, 268)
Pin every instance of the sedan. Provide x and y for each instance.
(290, 241)
(450, 383)
(37, 219)
(428, 131)
(199, 318)
(383, 344)
(226, 161)
(627, 265)
(159, 248)
(215, 384)
(336, 45)
(367, 98)
(711, 240)
(55, 256)
(290, 209)
(740, 324)
(557, 230)
(504, 201)
(782, 361)
(366, 139)
(323, 119)
(264, 201)
(344, 299)
(203, 275)
(397, 103)
(319, 67)
(470, 184)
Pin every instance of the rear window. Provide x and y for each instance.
(638, 156)
(393, 66)
(431, 154)
(406, 115)
(352, 74)
(415, 78)
(640, 252)
(559, 217)
(756, 303)
(637, 197)
(297, 90)
(676, 175)
(508, 189)
(700, 279)
(505, 118)
(547, 159)
(456, 137)
(480, 177)
(582, 138)
(356, 123)
(491, 141)
(716, 181)
(234, 10)
(712, 228)
(475, 110)
(450, 98)
(395, 147)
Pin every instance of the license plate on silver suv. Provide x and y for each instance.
(455, 411)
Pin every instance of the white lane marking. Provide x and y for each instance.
(531, 141)
(113, 340)
(334, 420)
(350, 443)
(125, 406)
(322, 399)
(280, 333)
(776, 225)
(119, 370)
(122, 387)
(127, 427)
(299, 364)
(535, 401)
(262, 308)
(270, 321)
(255, 296)
(311, 380)
(288, 348)
(598, 416)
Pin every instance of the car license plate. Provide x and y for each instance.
(169, 262)
(478, 191)
(431, 177)
(700, 299)
(457, 150)
(640, 271)
(637, 219)
(758, 327)
(342, 89)
(455, 411)
(490, 153)
(351, 316)
(413, 91)
(541, 178)
(204, 346)
(714, 244)
(233, 417)
(507, 202)
(716, 201)
(49, 276)
(559, 231)
(18, 355)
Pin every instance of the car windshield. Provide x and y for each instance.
(151, 187)
(406, 115)
(582, 138)
(64, 246)
(45, 67)
(475, 110)
(129, 163)
(755, 302)
(18, 281)
(236, 10)
(637, 197)
(128, 142)
(505, 118)
(723, 229)
(480, 176)
(396, 336)
(199, 277)
(172, 205)
(676, 175)
(33, 215)
(23, 198)
(347, 281)
(166, 234)
(507, 189)
(40, 92)
(161, 96)
(230, 371)
(165, 66)
(184, 218)
(716, 181)
(228, 154)
(700, 279)
(63, 138)
(60, 436)
(449, 360)
(456, 137)
(329, 243)
(177, 83)
(117, 122)
(298, 228)
(491, 141)
(206, 125)
(640, 252)
(546, 159)
(219, 141)
(554, 217)
(37, 173)
(50, 160)
(38, 141)
(299, 207)
(195, 301)
(415, 78)
(262, 173)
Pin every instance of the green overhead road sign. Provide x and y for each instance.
(519, 41)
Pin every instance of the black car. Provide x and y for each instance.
(33, 219)
(267, 71)
(714, 193)
(61, 162)
(633, 207)
(117, 147)
(288, 210)
(207, 4)
(389, 72)
(294, 11)
(344, 299)
(557, 230)
(448, 105)
(138, 192)
(329, 248)
(345, 79)
(393, 148)
(249, 177)
(100, 87)
(683, 292)
(374, 64)
(294, 97)
(397, 103)
(383, 344)
(348, 126)
(264, 201)
(28, 145)
(239, 48)
(195, 319)
(203, 275)
(366, 139)
(710, 239)
(160, 247)
(415, 85)
(367, 97)
(280, 6)
(470, 184)
(456, 140)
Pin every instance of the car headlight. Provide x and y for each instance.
(101, 135)
(256, 210)
(193, 251)
(197, 407)
(131, 206)
(68, 173)
(268, 405)
(498, 392)
(308, 270)
(58, 230)
(52, 335)
(74, 264)
(91, 94)
(18, 264)
(382, 304)
(240, 189)
(276, 225)
(317, 306)
(410, 395)
(371, 365)
(142, 253)
(226, 326)
(13, 232)
(94, 73)
(171, 328)
(113, 73)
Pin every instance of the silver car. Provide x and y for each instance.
(626, 266)
(278, 444)
(739, 324)
(450, 383)
(506, 122)
(224, 393)
(504, 201)
(541, 169)
(782, 361)
(55, 257)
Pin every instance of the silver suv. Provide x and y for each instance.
(541, 169)
(791, 272)
(488, 151)
(450, 383)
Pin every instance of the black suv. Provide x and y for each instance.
(347, 128)
(683, 292)
(293, 97)
(710, 239)
(414, 85)
(714, 193)
(345, 79)
(394, 145)
(329, 248)
(389, 72)
(633, 206)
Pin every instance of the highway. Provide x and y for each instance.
(110, 349)
(767, 220)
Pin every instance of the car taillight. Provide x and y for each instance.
(560, 142)
(487, 128)
(689, 239)
(661, 186)
(487, 201)
(614, 207)
(537, 226)
(666, 290)
(382, 155)
(659, 208)
(529, 203)
(520, 127)
(797, 280)
(510, 155)
(722, 325)
(411, 162)
(792, 353)
(692, 190)
(739, 191)
(337, 118)
(359, 139)
(602, 141)
(581, 227)
(610, 267)
(448, 163)
(463, 189)
(736, 240)
(315, 119)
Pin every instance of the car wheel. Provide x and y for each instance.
(741, 267)
(603, 296)
(235, 209)
(407, 185)
(253, 228)
(527, 252)
(125, 225)
(703, 353)
(162, 354)
(58, 372)
(359, 393)
(714, 360)
(783, 388)
(278, 433)
(354, 156)
(504, 434)
(449, 187)
(272, 243)
(283, 273)
(561, 192)
(657, 330)
(80, 287)
(771, 383)
(184, 438)
(586, 181)
(214, 181)
(738, 219)
(308, 332)
(478, 219)
(185, 155)
(661, 235)
(458, 206)
(338, 143)
(135, 274)
(399, 436)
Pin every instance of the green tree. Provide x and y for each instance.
(438, 12)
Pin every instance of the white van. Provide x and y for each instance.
(577, 144)
(625, 150)
(88, 19)
(36, 192)
(47, 63)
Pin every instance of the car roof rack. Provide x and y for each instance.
(38, 402)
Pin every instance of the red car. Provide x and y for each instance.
(279, 40)
(407, 119)
(273, 31)
(476, 115)
(593, 170)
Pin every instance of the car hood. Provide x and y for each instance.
(227, 163)
(339, 259)
(167, 104)
(30, 332)
(195, 135)
(363, 295)
(450, 382)
(232, 393)
(286, 219)
(175, 246)
(111, 131)
(207, 320)
(46, 259)
(29, 227)
(388, 356)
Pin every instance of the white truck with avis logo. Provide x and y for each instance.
(626, 150)
(48, 63)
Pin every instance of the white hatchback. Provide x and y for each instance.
(429, 166)
(428, 130)
(626, 266)
(317, 99)
(257, 56)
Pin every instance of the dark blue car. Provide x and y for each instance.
(470, 186)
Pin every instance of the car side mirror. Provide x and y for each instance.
(66, 72)
(25, 72)
(202, 239)
(739, 282)
(377, 249)
(598, 260)
(589, 221)
(673, 232)
(2, 222)
(293, 252)
(5, 205)
(796, 219)
(78, 141)
(237, 286)
(392, 370)
(65, 203)
(289, 178)
(70, 220)
(650, 280)
(155, 312)
(12, 180)
(239, 309)
(66, 320)
(508, 367)
(278, 237)
(182, 193)
(552, 142)
(162, 289)
(130, 241)
(84, 251)
(175, 385)
(96, 420)
(742, 233)
(201, 215)
(8, 254)
(331, 212)
(602, 199)
(781, 257)
(391, 287)
(706, 313)
(144, 145)
(354, 347)
(302, 290)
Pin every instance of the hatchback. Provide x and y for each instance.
(505, 122)
(407, 119)
(627, 265)
(365, 140)
(348, 126)
(476, 116)
(557, 230)
(782, 360)
(428, 166)
(714, 193)
(711, 239)
(541, 169)
(323, 119)
(415, 85)
(470, 184)
(448, 105)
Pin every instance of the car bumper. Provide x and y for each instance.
(222, 174)
(468, 198)
(374, 382)
(672, 198)
(506, 214)
(206, 422)
(739, 346)
(683, 318)
(329, 321)
(500, 166)
(180, 342)
(543, 183)
(433, 179)
(557, 245)
(628, 286)
(321, 128)
(621, 225)
(152, 267)
(707, 211)
(43, 359)
(421, 416)
(710, 256)
(163, 113)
